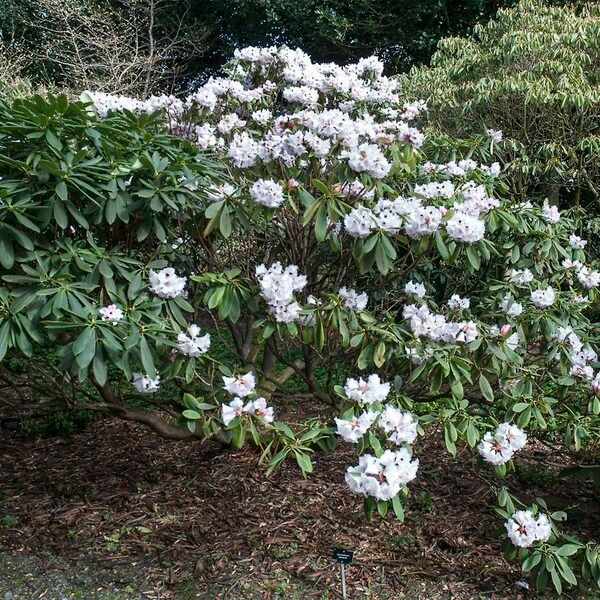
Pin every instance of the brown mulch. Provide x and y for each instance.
(184, 513)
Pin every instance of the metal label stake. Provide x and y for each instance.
(343, 557)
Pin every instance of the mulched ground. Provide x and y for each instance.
(183, 520)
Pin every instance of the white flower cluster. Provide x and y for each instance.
(550, 214)
(111, 313)
(520, 276)
(330, 114)
(103, 103)
(499, 447)
(191, 343)
(267, 193)
(366, 391)
(351, 430)
(277, 287)
(415, 289)
(242, 386)
(510, 307)
(166, 283)
(424, 322)
(543, 298)
(352, 299)
(455, 302)
(145, 384)
(382, 477)
(495, 134)
(524, 529)
(580, 356)
(460, 168)
(257, 408)
(221, 107)
(463, 224)
(400, 427)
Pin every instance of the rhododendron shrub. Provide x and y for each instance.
(333, 234)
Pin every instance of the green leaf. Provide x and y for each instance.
(473, 258)
(303, 461)
(225, 223)
(567, 550)
(531, 562)
(398, 508)
(61, 191)
(191, 414)
(146, 358)
(486, 388)
(99, 366)
(86, 355)
(82, 340)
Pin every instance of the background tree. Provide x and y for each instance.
(400, 32)
(533, 72)
(138, 47)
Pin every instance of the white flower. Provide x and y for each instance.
(582, 371)
(111, 313)
(514, 436)
(145, 384)
(191, 343)
(457, 303)
(400, 426)
(262, 117)
(370, 159)
(495, 134)
(543, 528)
(277, 287)
(512, 341)
(415, 289)
(510, 307)
(524, 529)
(240, 385)
(495, 449)
(243, 150)
(267, 193)
(435, 189)
(367, 391)
(232, 410)
(166, 283)
(422, 220)
(465, 228)
(550, 213)
(588, 279)
(359, 222)
(499, 448)
(259, 408)
(219, 192)
(567, 263)
(382, 477)
(353, 429)
(576, 242)
(543, 298)
(352, 299)
(520, 277)
(463, 332)
(301, 94)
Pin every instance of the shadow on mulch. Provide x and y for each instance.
(186, 520)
